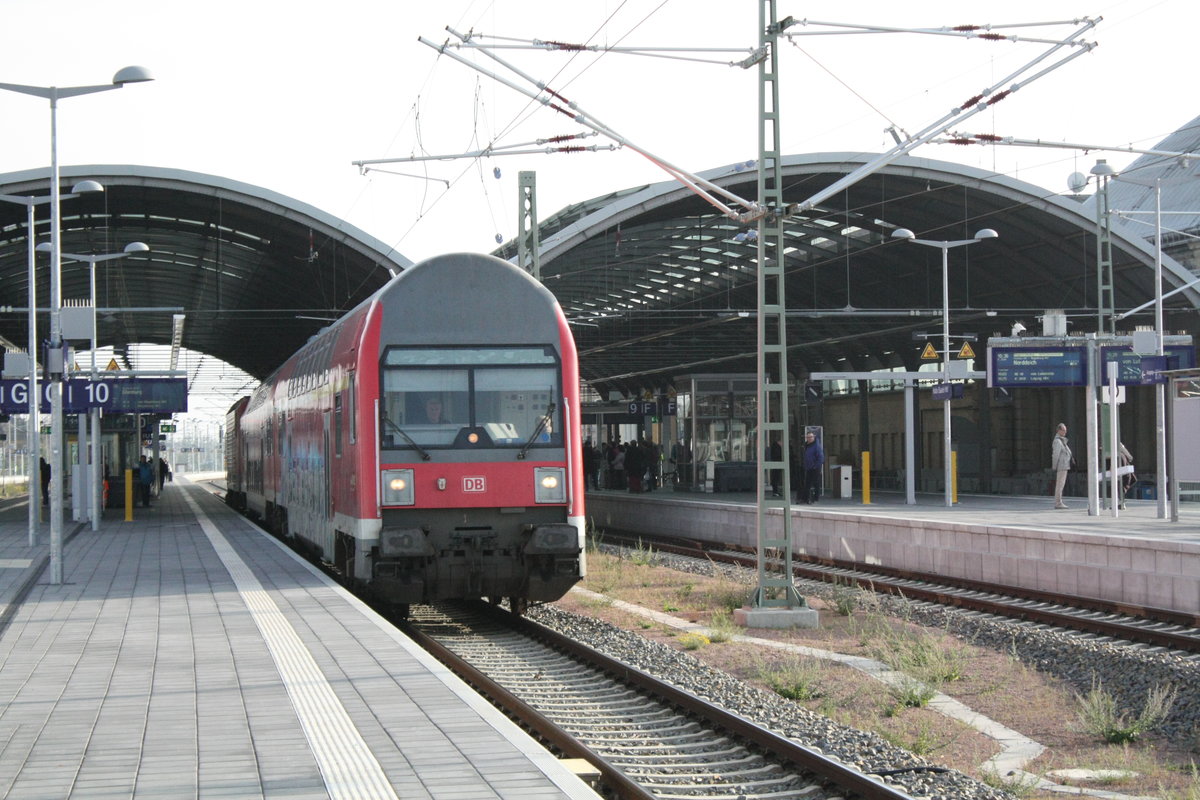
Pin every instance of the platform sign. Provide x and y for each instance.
(1130, 371)
(947, 391)
(1037, 366)
(112, 395)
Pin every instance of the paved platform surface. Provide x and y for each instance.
(1139, 518)
(187, 654)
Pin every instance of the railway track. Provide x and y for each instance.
(648, 738)
(1152, 627)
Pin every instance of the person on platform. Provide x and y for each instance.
(1060, 462)
(635, 466)
(45, 476)
(590, 457)
(1125, 460)
(163, 472)
(145, 479)
(814, 460)
(775, 453)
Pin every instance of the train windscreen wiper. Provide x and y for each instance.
(541, 426)
(407, 438)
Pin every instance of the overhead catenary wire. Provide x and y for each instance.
(548, 97)
(749, 210)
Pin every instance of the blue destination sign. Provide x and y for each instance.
(1038, 366)
(113, 395)
(947, 391)
(1131, 366)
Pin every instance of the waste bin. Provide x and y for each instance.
(843, 481)
(1145, 490)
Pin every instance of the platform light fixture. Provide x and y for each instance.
(34, 435)
(909, 236)
(94, 414)
(133, 74)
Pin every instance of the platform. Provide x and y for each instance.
(188, 654)
(1134, 558)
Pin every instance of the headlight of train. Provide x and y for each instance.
(398, 487)
(550, 485)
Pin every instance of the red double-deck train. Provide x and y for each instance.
(427, 443)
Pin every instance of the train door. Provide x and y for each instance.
(328, 468)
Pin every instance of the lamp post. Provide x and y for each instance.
(1160, 389)
(94, 413)
(909, 236)
(53, 94)
(34, 453)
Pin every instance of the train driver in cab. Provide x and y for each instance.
(434, 413)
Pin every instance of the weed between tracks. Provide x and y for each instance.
(992, 683)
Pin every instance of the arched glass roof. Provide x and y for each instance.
(658, 285)
(255, 273)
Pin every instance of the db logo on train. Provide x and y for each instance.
(474, 483)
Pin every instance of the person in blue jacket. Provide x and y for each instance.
(814, 460)
(145, 479)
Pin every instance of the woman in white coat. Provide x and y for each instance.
(1060, 462)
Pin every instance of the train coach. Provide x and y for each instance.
(427, 443)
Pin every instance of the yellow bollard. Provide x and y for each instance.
(953, 477)
(866, 477)
(129, 495)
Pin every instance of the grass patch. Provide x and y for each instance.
(1099, 715)
(910, 693)
(642, 555)
(922, 741)
(1018, 785)
(793, 678)
(722, 628)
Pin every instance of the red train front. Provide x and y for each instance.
(427, 443)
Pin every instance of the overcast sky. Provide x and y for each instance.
(285, 95)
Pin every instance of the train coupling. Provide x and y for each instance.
(404, 542)
(553, 539)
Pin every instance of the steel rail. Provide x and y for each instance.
(810, 761)
(527, 716)
(943, 590)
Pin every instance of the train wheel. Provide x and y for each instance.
(518, 605)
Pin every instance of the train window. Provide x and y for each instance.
(426, 406)
(467, 356)
(431, 394)
(518, 398)
(337, 424)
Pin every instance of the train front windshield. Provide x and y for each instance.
(470, 397)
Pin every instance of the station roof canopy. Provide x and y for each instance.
(254, 272)
(658, 284)
(655, 283)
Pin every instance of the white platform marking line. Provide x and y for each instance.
(348, 767)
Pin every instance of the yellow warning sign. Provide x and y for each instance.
(966, 351)
(113, 366)
(929, 353)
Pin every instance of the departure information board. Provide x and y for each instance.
(1038, 366)
(1131, 366)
